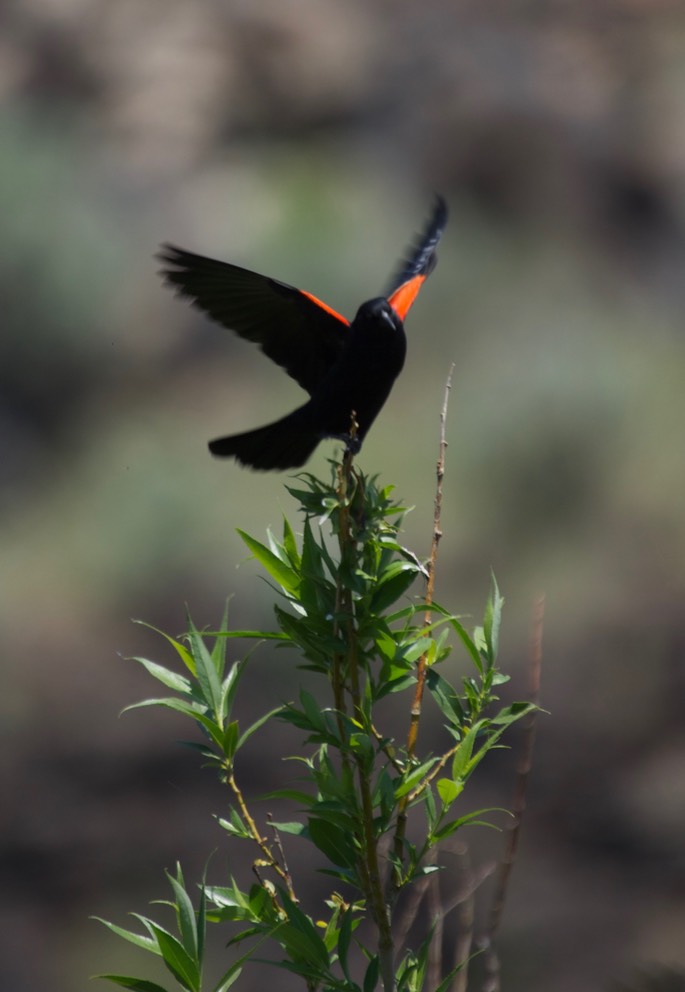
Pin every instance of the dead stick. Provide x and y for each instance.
(415, 716)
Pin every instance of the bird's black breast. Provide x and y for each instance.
(363, 376)
(378, 344)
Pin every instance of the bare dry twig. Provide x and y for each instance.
(413, 732)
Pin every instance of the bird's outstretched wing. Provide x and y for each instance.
(420, 262)
(294, 329)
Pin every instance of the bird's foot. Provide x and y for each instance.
(352, 444)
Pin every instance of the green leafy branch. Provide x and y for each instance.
(343, 603)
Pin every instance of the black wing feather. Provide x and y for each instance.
(292, 329)
(421, 258)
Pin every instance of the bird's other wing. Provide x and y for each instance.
(420, 261)
(298, 332)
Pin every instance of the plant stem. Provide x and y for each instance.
(270, 861)
(415, 716)
(370, 872)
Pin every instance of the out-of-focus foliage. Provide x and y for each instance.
(304, 140)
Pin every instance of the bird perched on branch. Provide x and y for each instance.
(348, 369)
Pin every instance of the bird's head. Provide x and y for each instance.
(380, 313)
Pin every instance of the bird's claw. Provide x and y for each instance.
(352, 444)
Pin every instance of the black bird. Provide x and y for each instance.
(348, 369)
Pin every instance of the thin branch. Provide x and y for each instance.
(491, 982)
(412, 735)
(432, 568)
(341, 606)
(270, 861)
(279, 847)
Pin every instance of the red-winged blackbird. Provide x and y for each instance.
(348, 369)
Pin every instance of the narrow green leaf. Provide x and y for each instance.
(329, 561)
(430, 808)
(462, 756)
(408, 612)
(463, 635)
(193, 710)
(207, 675)
(258, 723)
(416, 649)
(397, 684)
(446, 697)
(172, 680)
(290, 544)
(386, 645)
(286, 577)
(344, 940)
(490, 743)
(150, 925)
(513, 713)
(232, 973)
(220, 643)
(214, 731)
(289, 827)
(146, 943)
(261, 635)
(316, 591)
(183, 966)
(371, 975)
(229, 977)
(470, 819)
(276, 547)
(234, 826)
(410, 780)
(136, 984)
(185, 913)
(446, 983)
(312, 710)
(229, 744)
(315, 646)
(230, 896)
(229, 686)
(201, 924)
(332, 931)
(302, 941)
(492, 621)
(179, 648)
(399, 577)
(336, 843)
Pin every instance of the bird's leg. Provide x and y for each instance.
(353, 442)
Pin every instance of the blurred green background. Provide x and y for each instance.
(305, 140)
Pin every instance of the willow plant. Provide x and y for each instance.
(343, 604)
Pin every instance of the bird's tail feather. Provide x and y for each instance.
(287, 443)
